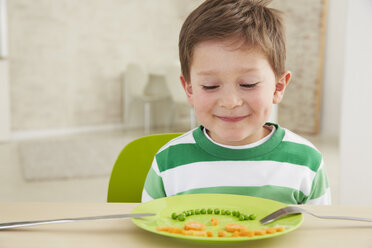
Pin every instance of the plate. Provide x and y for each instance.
(164, 207)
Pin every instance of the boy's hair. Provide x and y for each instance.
(248, 20)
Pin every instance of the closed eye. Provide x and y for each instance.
(205, 87)
(248, 85)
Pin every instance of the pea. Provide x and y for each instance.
(216, 211)
(241, 218)
(187, 213)
(223, 212)
(210, 211)
(252, 216)
(234, 213)
(227, 212)
(203, 211)
(237, 214)
(246, 217)
(192, 212)
(197, 211)
(174, 216)
(181, 217)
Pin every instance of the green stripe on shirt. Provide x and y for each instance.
(153, 183)
(285, 168)
(288, 152)
(320, 184)
(282, 194)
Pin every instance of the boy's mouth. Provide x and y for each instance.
(232, 118)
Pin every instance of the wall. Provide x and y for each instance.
(4, 102)
(304, 22)
(51, 44)
(355, 138)
(4, 76)
(333, 65)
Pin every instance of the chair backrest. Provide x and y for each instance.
(172, 78)
(132, 165)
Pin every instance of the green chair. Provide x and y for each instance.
(132, 165)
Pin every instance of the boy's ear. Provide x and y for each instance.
(280, 86)
(188, 89)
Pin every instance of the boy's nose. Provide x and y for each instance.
(230, 100)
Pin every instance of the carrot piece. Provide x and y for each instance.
(260, 232)
(200, 233)
(235, 227)
(246, 233)
(163, 228)
(209, 233)
(235, 234)
(280, 228)
(215, 221)
(189, 232)
(221, 233)
(176, 230)
(270, 230)
(193, 225)
(171, 229)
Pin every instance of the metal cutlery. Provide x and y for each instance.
(55, 221)
(296, 210)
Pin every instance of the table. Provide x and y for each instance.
(123, 233)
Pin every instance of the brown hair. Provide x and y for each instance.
(248, 20)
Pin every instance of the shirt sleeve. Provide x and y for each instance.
(154, 187)
(320, 190)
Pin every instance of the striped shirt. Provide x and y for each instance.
(285, 167)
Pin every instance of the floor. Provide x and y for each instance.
(15, 188)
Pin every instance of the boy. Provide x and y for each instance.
(232, 55)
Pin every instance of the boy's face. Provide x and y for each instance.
(232, 91)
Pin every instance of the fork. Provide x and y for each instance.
(296, 210)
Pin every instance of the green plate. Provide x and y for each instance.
(164, 207)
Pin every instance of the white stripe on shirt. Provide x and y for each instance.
(186, 138)
(146, 197)
(183, 178)
(292, 137)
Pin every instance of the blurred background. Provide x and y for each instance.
(80, 79)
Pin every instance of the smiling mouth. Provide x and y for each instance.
(232, 118)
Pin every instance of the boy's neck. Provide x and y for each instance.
(264, 132)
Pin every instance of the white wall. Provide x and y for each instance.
(4, 102)
(4, 76)
(356, 107)
(67, 57)
(333, 65)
